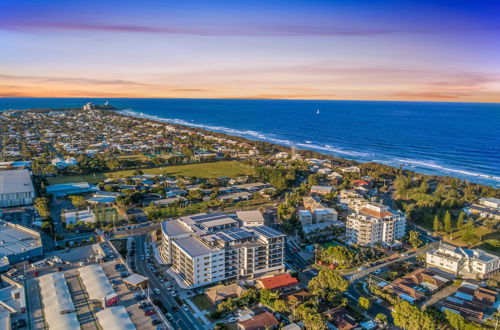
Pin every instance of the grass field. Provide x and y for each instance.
(202, 302)
(201, 170)
(484, 233)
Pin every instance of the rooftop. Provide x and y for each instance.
(250, 216)
(15, 181)
(278, 281)
(14, 239)
(192, 246)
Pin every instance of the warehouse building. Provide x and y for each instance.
(16, 188)
(18, 243)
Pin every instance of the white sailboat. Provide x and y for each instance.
(317, 112)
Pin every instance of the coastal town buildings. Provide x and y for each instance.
(16, 188)
(486, 208)
(208, 248)
(464, 262)
(374, 224)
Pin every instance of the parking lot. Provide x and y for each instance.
(127, 298)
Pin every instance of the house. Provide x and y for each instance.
(282, 282)
(470, 301)
(262, 321)
(486, 208)
(340, 319)
(221, 292)
(322, 190)
(463, 262)
(351, 169)
(413, 286)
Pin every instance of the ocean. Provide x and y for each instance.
(455, 139)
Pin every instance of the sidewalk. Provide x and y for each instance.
(197, 313)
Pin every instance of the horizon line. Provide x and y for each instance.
(239, 98)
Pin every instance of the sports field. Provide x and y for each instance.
(202, 170)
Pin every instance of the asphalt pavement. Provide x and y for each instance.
(182, 320)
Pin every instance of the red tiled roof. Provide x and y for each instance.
(278, 281)
(375, 213)
(259, 322)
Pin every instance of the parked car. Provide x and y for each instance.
(175, 308)
(155, 322)
(150, 312)
(36, 274)
(19, 324)
(185, 307)
(169, 316)
(232, 319)
(156, 291)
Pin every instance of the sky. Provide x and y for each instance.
(442, 50)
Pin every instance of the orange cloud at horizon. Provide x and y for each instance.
(327, 84)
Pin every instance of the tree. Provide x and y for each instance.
(447, 222)
(267, 297)
(460, 221)
(469, 235)
(364, 303)
(78, 201)
(436, 225)
(381, 318)
(42, 205)
(328, 285)
(414, 238)
(410, 317)
(457, 321)
(280, 306)
(138, 172)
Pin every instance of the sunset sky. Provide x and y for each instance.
(355, 50)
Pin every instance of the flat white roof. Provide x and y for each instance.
(96, 282)
(15, 181)
(15, 240)
(115, 318)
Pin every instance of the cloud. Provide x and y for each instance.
(271, 30)
(430, 95)
(72, 80)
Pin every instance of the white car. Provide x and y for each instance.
(156, 291)
(232, 319)
(185, 307)
(173, 294)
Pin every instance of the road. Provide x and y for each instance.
(182, 320)
(357, 274)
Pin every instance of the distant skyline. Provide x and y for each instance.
(440, 50)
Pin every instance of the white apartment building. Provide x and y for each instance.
(464, 262)
(16, 188)
(208, 248)
(373, 224)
